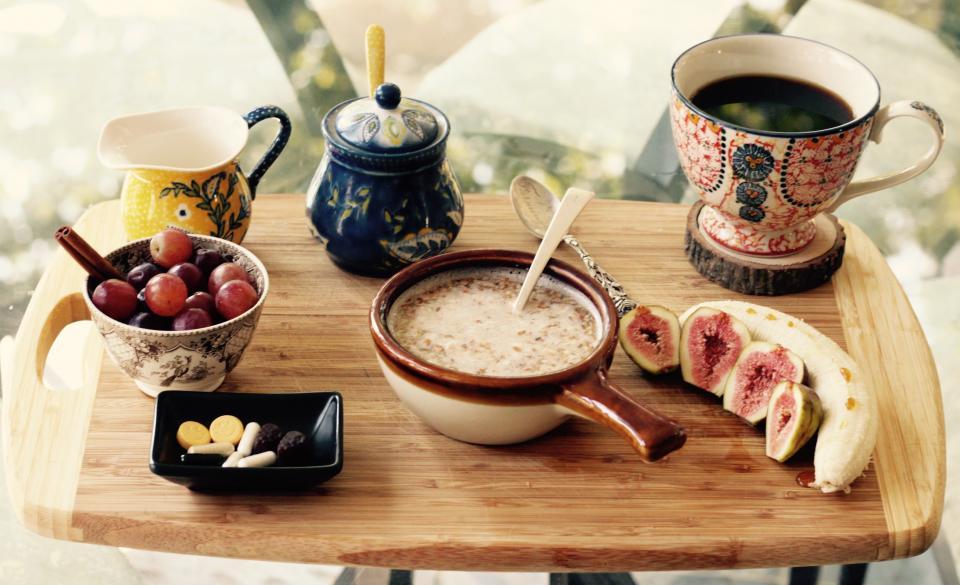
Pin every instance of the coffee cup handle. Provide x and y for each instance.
(594, 397)
(254, 117)
(910, 109)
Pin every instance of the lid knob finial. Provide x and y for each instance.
(388, 96)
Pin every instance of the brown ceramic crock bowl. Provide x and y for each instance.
(503, 410)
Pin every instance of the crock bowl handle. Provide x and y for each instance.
(594, 397)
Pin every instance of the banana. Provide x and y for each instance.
(848, 432)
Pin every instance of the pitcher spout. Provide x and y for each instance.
(192, 139)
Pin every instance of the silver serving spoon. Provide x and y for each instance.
(536, 205)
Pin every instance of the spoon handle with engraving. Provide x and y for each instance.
(621, 300)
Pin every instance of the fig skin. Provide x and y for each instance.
(807, 413)
(739, 338)
(665, 320)
(733, 395)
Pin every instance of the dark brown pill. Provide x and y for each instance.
(293, 449)
(267, 439)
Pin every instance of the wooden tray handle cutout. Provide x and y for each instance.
(596, 398)
(69, 309)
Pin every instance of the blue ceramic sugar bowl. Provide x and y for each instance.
(384, 195)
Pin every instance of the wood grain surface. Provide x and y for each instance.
(577, 499)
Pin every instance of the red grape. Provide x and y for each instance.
(191, 319)
(141, 274)
(235, 298)
(146, 320)
(166, 294)
(189, 274)
(115, 298)
(201, 300)
(171, 247)
(225, 273)
(206, 260)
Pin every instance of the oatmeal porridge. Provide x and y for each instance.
(463, 320)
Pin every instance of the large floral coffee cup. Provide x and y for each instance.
(762, 189)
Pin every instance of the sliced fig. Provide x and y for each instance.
(794, 416)
(759, 368)
(650, 334)
(710, 343)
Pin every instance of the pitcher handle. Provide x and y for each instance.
(650, 434)
(252, 118)
(910, 109)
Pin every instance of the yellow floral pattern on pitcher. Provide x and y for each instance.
(215, 203)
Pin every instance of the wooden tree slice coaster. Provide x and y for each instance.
(808, 268)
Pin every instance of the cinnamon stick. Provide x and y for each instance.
(96, 265)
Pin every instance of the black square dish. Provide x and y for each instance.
(318, 415)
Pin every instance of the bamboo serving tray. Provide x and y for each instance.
(577, 499)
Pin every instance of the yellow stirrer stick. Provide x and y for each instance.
(375, 56)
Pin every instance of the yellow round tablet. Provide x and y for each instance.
(192, 433)
(226, 429)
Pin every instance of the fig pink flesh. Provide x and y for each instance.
(757, 376)
(650, 334)
(783, 418)
(714, 348)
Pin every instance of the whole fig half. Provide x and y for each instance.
(793, 417)
(710, 343)
(759, 368)
(650, 334)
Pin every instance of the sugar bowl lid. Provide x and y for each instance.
(388, 123)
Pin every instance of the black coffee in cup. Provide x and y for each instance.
(773, 104)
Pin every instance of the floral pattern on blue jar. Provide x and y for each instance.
(423, 244)
(752, 213)
(377, 224)
(751, 194)
(752, 162)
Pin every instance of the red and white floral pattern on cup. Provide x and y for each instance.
(763, 191)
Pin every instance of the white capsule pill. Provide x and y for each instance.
(224, 449)
(232, 459)
(245, 446)
(265, 459)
